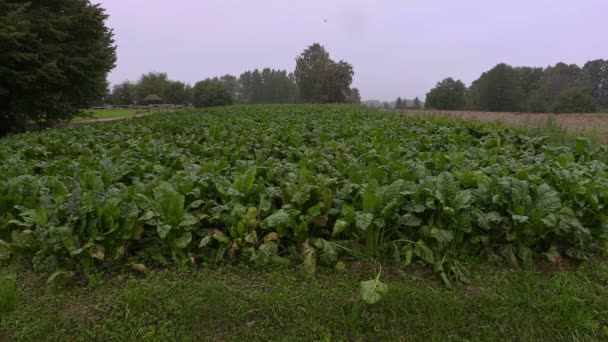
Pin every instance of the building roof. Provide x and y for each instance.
(152, 97)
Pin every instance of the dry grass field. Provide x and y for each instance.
(596, 124)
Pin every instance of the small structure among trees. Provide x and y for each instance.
(152, 99)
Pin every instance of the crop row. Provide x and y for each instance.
(307, 184)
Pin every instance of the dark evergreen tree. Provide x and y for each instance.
(54, 59)
(399, 103)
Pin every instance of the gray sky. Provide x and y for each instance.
(397, 48)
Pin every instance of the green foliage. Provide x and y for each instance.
(373, 290)
(5, 250)
(596, 72)
(251, 87)
(266, 86)
(152, 83)
(8, 296)
(448, 94)
(417, 104)
(506, 88)
(530, 81)
(354, 96)
(575, 100)
(268, 185)
(499, 89)
(400, 104)
(560, 78)
(123, 94)
(158, 83)
(242, 304)
(54, 60)
(328, 82)
(320, 79)
(230, 83)
(209, 93)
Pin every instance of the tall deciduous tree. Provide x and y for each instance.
(209, 93)
(189, 95)
(158, 83)
(245, 85)
(152, 83)
(267, 86)
(499, 89)
(399, 103)
(176, 93)
(559, 78)
(122, 94)
(530, 81)
(355, 96)
(54, 59)
(417, 104)
(294, 89)
(230, 83)
(575, 100)
(597, 73)
(504, 88)
(448, 94)
(257, 87)
(320, 79)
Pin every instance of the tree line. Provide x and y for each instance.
(399, 103)
(266, 86)
(316, 79)
(405, 104)
(562, 88)
(56, 57)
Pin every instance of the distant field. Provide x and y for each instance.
(595, 123)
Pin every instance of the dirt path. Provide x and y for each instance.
(90, 121)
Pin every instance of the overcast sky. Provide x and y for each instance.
(398, 48)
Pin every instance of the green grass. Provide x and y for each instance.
(7, 293)
(558, 134)
(110, 113)
(237, 304)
